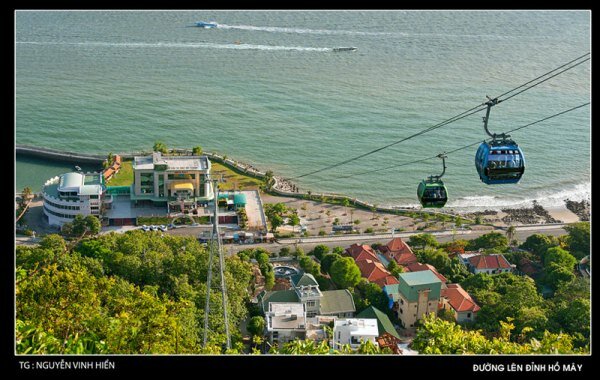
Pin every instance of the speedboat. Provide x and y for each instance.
(344, 48)
(206, 25)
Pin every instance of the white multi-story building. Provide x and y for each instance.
(286, 321)
(72, 194)
(353, 331)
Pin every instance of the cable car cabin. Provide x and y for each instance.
(432, 193)
(499, 161)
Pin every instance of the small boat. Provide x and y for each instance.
(206, 25)
(344, 49)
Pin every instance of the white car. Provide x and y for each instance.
(153, 228)
(145, 228)
(162, 227)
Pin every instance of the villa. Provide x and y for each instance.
(477, 262)
(353, 331)
(305, 290)
(458, 301)
(417, 294)
(285, 321)
(178, 182)
(398, 250)
(72, 194)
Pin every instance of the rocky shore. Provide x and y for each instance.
(536, 214)
(581, 209)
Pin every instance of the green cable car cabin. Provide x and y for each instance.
(432, 192)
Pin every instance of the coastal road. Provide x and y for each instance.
(308, 243)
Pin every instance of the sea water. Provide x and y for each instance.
(266, 88)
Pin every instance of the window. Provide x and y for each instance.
(354, 340)
(311, 303)
(468, 315)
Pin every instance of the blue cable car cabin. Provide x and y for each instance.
(499, 161)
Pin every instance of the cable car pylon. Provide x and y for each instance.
(216, 247)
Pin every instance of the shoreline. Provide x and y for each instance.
(568, 212)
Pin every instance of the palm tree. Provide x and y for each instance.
(510, 234)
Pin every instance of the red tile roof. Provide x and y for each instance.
(399, 251)
(372, 270)
(362, 252)
(459, 299)
(489, 262)
(387, 280)
(418, 267)
(529, 267)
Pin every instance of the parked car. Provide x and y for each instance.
(171, 226)
(145, 228)
(153, 228)
(162, 227)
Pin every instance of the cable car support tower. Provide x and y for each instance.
(216, 249)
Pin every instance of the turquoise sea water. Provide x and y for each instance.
(266, 88)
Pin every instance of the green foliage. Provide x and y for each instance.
(309, 265)
(489, 241)
(284, 251)
(320, 250)
(422, 241)
(538, 244)
(579, 239)
(122, 294)
(160, 146)
(436, 257)
(256, 326)
(437, 336)
(560, 257)
(328, 260)
(197, 151)
(338, 250)
(345, 273)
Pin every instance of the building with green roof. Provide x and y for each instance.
(305, 290)
(383, 321)
(418, 293)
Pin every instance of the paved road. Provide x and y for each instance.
(308, 243)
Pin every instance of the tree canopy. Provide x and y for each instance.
(345, 273)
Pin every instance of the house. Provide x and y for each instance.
(398, 250)
(375, 272)
(418, 267)
(353, 331)
(72, 194)
(529, 268)
(315, 327)
(417, 294)
(174, 181)
(305, 290)
(457, 300)
(361, 252)
(477, 262)
(285, 322)
(388, 336)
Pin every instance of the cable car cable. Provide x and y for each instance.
(448, 121)
(457, 149)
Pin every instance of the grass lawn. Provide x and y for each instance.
(234, 179)
(124, 177)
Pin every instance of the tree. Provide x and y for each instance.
(560, 257)
(579, 239)
(269, 180)
(276, 221)
(345, 273)
(394, 268)
(510, 233)
(294, 220)
(328, 261)
(197, 151)
(320, 250)
(422, 241)
(538, 244)
(256, 326)
(488, 241)
(346, 203)
(160, 146)
(556, 274)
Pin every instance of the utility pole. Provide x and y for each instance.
(216, 247)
